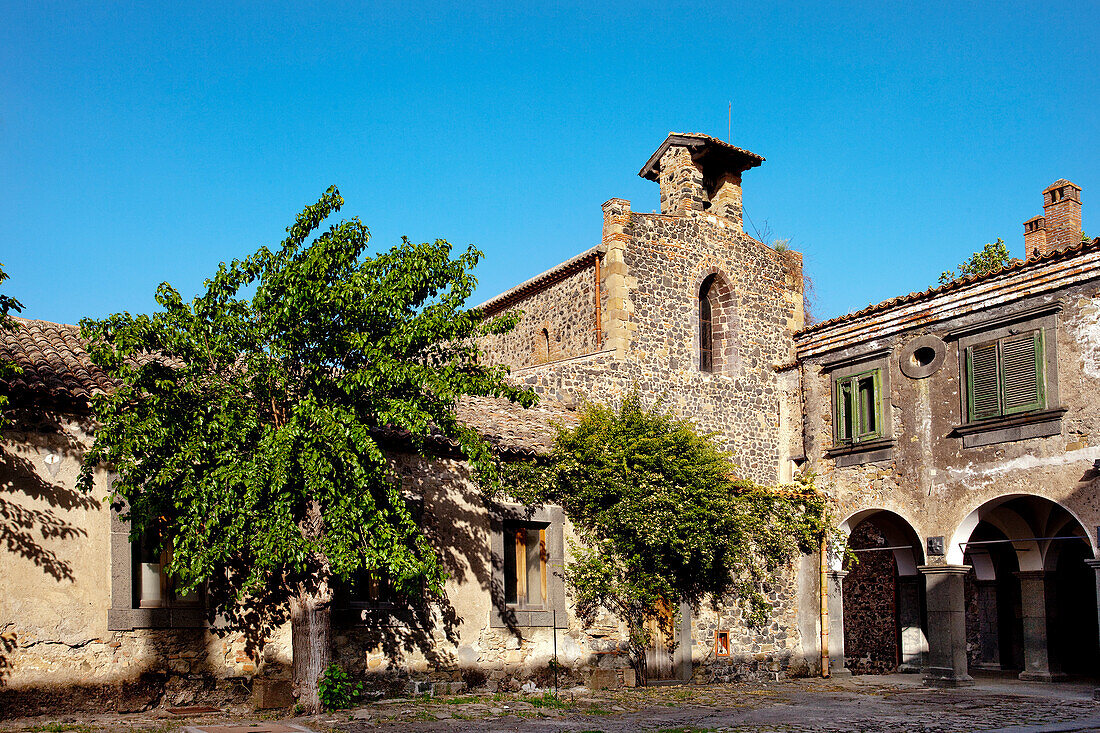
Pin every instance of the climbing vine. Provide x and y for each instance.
(662, 517)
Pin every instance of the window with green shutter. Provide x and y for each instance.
(857, 409)
(1005, 376)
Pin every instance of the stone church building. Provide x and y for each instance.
(952, 428)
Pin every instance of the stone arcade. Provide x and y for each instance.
(955, 428)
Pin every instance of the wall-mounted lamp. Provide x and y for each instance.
(53, 464)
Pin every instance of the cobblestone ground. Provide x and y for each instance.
(867, 705)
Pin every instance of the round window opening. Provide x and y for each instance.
(922, 357)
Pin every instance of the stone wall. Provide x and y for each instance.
(652, 269)
(664, 262)
(756, 652)
(870, 609)
(558, 322)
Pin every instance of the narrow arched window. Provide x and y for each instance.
(544, 346)
(706, 325)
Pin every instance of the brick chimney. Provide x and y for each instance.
(699, 174)
(1035, 236)
(1060, 225)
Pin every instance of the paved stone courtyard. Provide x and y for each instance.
(865, 704)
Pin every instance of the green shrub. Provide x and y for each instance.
(337, 690)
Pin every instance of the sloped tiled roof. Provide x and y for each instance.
(724, 155)
(1061, 182)
(57, 373)
(55, 369)
(958, 284)
(508, 425)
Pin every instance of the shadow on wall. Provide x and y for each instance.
(456, 521)
(33, 509)
(378, 638)
(25, 527)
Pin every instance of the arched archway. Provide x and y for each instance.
(1031, 597)
(882, 601)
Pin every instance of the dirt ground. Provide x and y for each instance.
(865, 704)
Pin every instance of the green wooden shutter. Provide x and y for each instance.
(845, 414)
(869, 400)
(983, 384)
(1022, 370)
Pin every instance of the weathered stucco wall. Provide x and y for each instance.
(55, 571)
(930, 479)
(55, 592)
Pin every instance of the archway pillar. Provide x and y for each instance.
(1037, 601)
(945, 665)
(837, 663)
(913, 642)
(1095, 565)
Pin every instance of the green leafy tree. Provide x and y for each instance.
(989, 259)
(8, 305)
(243, 429)
(663, 519)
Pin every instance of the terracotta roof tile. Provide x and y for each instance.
(555, 274)
(56, 370)
(962, 282)
(57, 373)
(508, 425)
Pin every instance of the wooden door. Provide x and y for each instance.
(659, 657)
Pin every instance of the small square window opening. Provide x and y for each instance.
(721, 643)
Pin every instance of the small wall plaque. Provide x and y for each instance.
(935, 546)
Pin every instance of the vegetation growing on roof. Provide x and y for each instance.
(663, 518)
(989, 259)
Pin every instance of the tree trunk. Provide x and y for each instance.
(311, 644)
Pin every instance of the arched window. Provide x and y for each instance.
(706, 325)
(542, 347)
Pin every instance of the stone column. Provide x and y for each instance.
(617, 281)
(1037, 597)
(726, 200)
(989, 638)
(913, 643)
(837, 663)
(1095, 565)
(945, 664)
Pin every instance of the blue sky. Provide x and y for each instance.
(141, 143)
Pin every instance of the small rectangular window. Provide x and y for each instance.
(721, 643)
(525, 559)
(370, 589)
(858, 407)
(1005, 376)
(153, 587)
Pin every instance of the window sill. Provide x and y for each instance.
(1040, 424)
(385, 614)
(529, 618)
(869, 451)
(127, 619)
